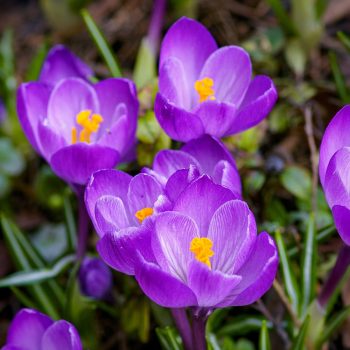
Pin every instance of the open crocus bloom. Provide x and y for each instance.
(205, 155)
(206, 90)
(32, 330)
(78, 127)
(334, 170)
(206, 252)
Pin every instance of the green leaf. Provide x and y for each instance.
(308, 266)
(71, 231)
(168, 338)
(344, 39)
(282, 16)
(339, 79)
(264, 340)
(296, 56)
(287, 273)
(102, 44)
(299, 340)
(146, 65)
(297, 181)
(30, 277)
(35, 65)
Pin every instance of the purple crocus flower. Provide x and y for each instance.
(207, 155)
(78, 127)
(95, 278)
(206, 90)
(334, 170)
(32, 330)
(206, 252)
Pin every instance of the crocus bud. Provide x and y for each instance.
(95, 278)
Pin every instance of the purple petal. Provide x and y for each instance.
(110, 214)
(216, 117)
(233, 233)
(61, 335)
(171, 243)
(210, 287)
(32, 102)
(61, 63)
(200, 200)
(337, 179)
(76, 163)
(227, 175)
(68, 98)
(105, 182)
(143, 193)
(257, 104)
(341, 217)
(179, 124)
(336, 136)
(231, 70)
(191, 43)
(161, 287)
(118, 248)
(27, 329)
(257, 274)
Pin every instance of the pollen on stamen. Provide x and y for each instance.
(201, 248)
(74, 135)
(89, 125)
(143, 214)
(205, 89)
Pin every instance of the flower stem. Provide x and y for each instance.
(183, 326)
(198, 332)
(335, 277)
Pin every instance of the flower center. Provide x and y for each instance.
(88, 123)
(143, 214)
(205, 90)
(201, 248)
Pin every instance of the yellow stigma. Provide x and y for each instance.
(201, 248)
(143, 214)
(88, 125)
(205, 90)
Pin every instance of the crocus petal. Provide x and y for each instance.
(200, 200)
(257, 274)
(171, 243)
(341, 217)
(337, 179)
(179, 124)
(227, 175)
(210, 287)
(118, 248)
(61, 335)
(105, 182)
(110, 214)
(167, 162)
(216, 117)
(76, 163)
(27, 329)
(191, 43)
(61, 63)
(257, 104)
(233, 232)
(68, 98)
(231, 70)
(336, 136)
(143, 192)
(161, 287)
(32, 102)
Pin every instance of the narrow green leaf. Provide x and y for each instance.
(264, 340)
(35, 65)
(70, 223)
(344, 39)
(168, 338)
(287, 272)
(102, 44)
(282, 16)
(24, 278)
(299, 340)
(308, 266)
(23, 298)
(339, 79)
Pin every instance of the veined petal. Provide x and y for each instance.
(227, 175)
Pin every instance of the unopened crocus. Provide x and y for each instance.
(334, 170)
(95, 278)
(207, 155)
(32, 330)
(77, 126)
(204, 89)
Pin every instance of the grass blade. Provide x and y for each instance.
(339, 79)
(299, 340)
(264, 340)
